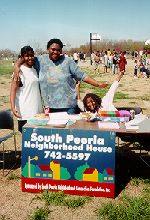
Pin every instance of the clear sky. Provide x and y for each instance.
(34, 22)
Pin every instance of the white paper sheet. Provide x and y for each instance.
(144, 126)
(56, 122)
(62, 118)
(64, 115)
(132, 127)
(134, 124)
(108, 125)
(58, 116)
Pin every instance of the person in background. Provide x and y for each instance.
(76, 57)
(122, 62)
(25, 95)
(132, 55)
(144, 72)
(136, 54)
(141, 68)
(105, 61)
(57, 77)
(93, 55)
(114, 63)
(97, 62)
(81, 56)
(65, 54)
(110, 61)
(108, 52)
(144, 58)
(13, 63)
(135, 68)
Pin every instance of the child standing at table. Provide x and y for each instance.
(25, 95)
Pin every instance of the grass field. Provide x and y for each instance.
(132, 175)
(6, 67)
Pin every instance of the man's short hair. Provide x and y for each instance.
(54, 41)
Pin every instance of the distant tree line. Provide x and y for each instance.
(121, 45)
(7, 54)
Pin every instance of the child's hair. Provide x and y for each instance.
(25, 50)
(95, 98)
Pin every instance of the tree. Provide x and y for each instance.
(80, 170)
(6, 53)
(100, 177)
(25, 170)
(64, 174)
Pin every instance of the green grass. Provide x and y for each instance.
(129, 208)
(145, 97)
(101, 92)
(56, 199)
(137, 180)
(4, 99)
(75, 203)
(60, 199)
(6, 67)
(39, 214)
(51, 198)
(4, 217)
(146, 181)
(13, 177)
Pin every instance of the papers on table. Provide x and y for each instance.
(58, 115)
(74, 117)
(132, 127)
(108, 125)
(58, 119)
(61, 118)
(144, 126)
(39, 122)
(134, 124)
(55, 122)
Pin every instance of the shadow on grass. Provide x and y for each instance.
(130, 165)
(12, 161)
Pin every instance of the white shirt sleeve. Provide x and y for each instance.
(80, 105)
(107, 100)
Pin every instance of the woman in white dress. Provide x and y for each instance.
(25, 95)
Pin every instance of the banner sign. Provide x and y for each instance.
(95, 36)
(80, 162)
